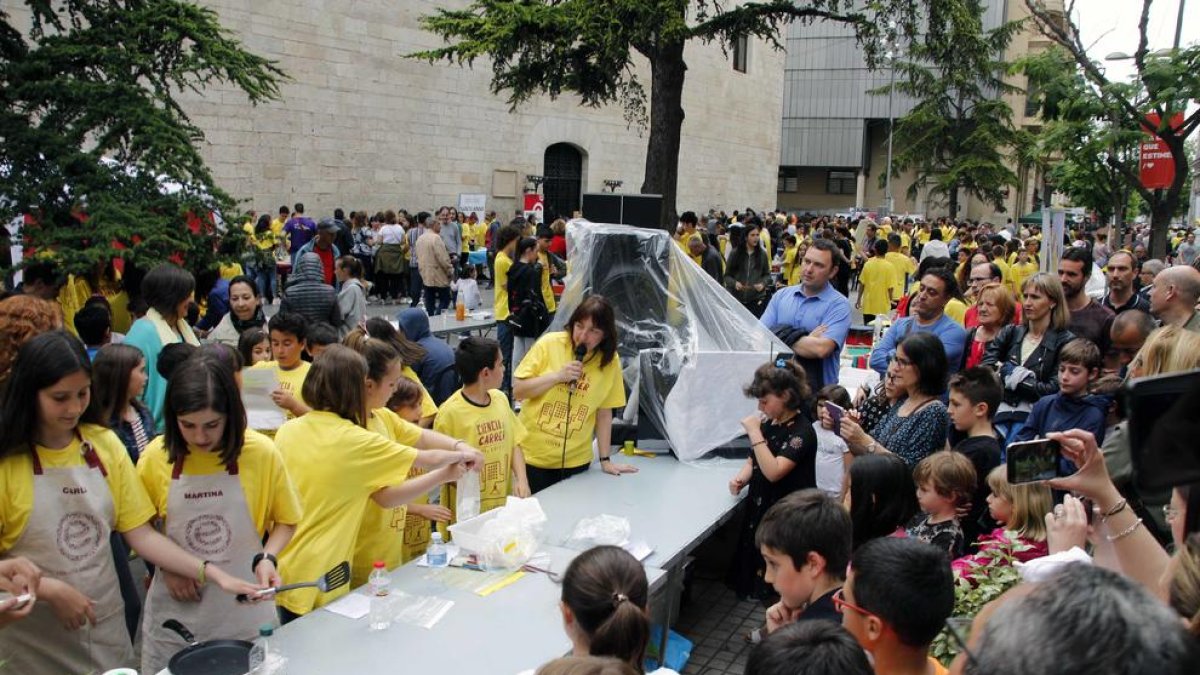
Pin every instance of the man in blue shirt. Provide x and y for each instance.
(815, 306)
(928, 315)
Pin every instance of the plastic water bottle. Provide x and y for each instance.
(381, 584)
(435, 555)
(260, 653)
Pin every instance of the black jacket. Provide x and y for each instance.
(1005, 352)
(307, 293)
(749, 268)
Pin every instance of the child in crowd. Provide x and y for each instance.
(339, 466)
(467, 288)
(410, 353)
(1020, 510)
(897, 597)
(1079, 365)
(605, 600)
(881, 497)
(118, 381)
(288, 333)
(945, 482)
(878, 279)
(93, 323)
(480, 414)
(319, 336)
(783, 459)
(406, 402)
(975, 394)
(812, 648)
(805, 539)
(833, 456)
(171, 356)
(255, 347)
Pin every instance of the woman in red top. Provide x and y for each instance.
(558, 243)
(996, 307)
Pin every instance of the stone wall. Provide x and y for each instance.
(360, 126)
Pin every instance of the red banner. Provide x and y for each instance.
(1156, 165)
(533, 205)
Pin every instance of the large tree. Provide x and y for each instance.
(594, 49)
(960, 135)
(1165, 83)
(98, 154)
(1082, 153)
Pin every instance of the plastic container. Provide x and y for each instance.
(460, 309)
(260, 652)
(466, 533)
(379, 616)
(435, 555)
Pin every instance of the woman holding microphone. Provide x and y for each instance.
(569, 383)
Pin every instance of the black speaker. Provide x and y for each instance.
(620, 209)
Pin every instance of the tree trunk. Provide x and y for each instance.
(1166, 202)
(667, 71)
(953, 203)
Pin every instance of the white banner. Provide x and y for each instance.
(472, 203)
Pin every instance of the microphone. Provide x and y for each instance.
(580, 352)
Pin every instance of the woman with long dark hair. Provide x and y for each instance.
(167, 290)
(748, 274)
(66, 483)
(568, 401)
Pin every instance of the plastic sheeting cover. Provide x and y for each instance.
(680, 333)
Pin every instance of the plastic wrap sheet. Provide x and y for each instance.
(687, 347)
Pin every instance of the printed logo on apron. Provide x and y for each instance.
(79, 536)
(209, 534)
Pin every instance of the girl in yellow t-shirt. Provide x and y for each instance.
(208, 466)
(60, 472)
(379, 536)
(339, 467)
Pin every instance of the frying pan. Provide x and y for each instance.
(211, 657)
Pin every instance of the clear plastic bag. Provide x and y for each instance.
(466, 504)
(600, 530)
(504, 538)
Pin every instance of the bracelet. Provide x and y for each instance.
(1126, 532)
(259, 557)
(763, 442)
(203, 576)
(605, 459)
(1119, 507)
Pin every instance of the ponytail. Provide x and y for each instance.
(607, 592)
(379, 354)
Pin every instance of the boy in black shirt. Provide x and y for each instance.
(975, 394)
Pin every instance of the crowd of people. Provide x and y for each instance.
(123, 426)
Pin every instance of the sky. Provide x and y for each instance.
(1109, 26)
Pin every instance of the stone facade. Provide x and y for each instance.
(361, 126)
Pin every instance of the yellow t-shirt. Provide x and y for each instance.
(1021, 272)
(902, 266)
(277, 226)
(545, 416)
(428, 407)
(547, 292)
(791, 266)
(381, 535)
(765, 237)
(336, 466)
(496, 431)
(231, 270)
(923, 236)
(500, 302)
(130, 503)
(291, 381)
(876, 278)
(270, 495)
(956, 309)
(71, 297)
(905, 240)
(1006, 277)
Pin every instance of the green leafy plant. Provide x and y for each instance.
(983, 582)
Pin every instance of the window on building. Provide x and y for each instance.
(841, 183)
(1033, 102)
(741, 50)
(789, 179)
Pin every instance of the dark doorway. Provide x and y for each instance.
(563, 184)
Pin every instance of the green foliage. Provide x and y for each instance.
(958, 134)
(984, 583)
(91, 124)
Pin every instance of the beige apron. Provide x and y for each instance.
(208, 517)
(68, 537)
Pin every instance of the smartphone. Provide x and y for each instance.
(836, 412)
(1033, 461)
(1163, 428)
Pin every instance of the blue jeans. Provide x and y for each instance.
(267, 278)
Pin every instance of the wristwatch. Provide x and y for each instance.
(871, 448)
(605, 459)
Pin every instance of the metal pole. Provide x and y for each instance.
(891, 122)
(1179, 25)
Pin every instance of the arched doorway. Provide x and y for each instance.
(563, 186)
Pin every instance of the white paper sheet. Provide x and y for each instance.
(261, 411)
(351, 606)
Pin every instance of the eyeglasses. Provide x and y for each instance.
(840, 604)
(900, 361)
